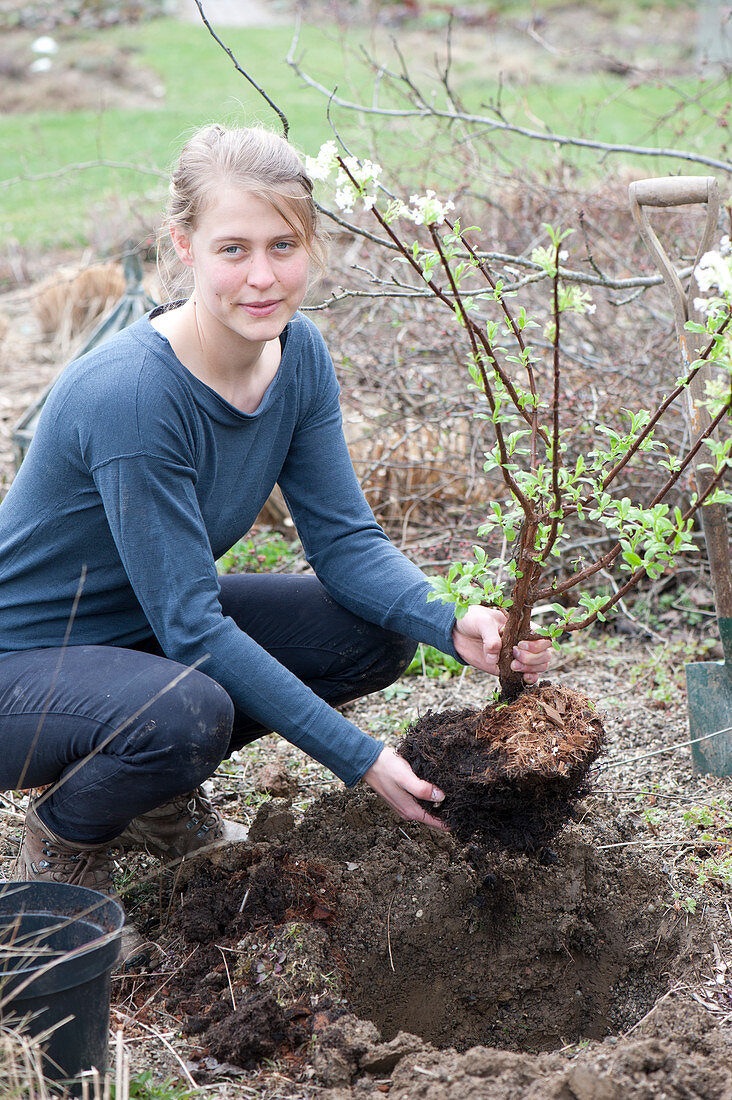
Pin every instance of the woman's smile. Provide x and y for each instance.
(260, 309)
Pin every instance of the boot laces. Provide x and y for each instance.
(201, 813)
(78, 868)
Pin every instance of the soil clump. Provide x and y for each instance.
(511, 772)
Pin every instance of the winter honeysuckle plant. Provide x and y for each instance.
(514, 364)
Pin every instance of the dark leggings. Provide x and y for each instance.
(106, 727)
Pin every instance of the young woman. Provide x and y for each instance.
(128, 668)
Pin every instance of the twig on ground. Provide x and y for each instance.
(388, 931)
(666, 748)
(228, 975)
(158, 1035)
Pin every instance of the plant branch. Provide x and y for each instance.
(518, 623)
(676, 392)
(501, 125)
(479, 259)
(642, 571)
(280, 114)
(440, 294)
(478, 360)
(608, 558)
(637, 282)
(556, 458)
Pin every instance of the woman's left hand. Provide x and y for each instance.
(477, 640)
(392, 778)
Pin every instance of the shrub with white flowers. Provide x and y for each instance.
(527, 445)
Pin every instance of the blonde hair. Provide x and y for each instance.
(255, 160)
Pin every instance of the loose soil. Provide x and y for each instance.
(369, 955)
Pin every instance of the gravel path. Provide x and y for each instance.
(231, 13)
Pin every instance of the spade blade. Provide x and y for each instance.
(709, 693)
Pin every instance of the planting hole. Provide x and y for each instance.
(532, 972)
(351, 912)
(508, 950)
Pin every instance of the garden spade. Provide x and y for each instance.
(708, 683)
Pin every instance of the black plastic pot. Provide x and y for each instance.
(41, 923)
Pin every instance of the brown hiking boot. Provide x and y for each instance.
(45, 857)
(185, 826)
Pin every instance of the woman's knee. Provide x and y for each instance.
(191, 721)
(396, 654)
(382, 657)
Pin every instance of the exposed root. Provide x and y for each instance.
(512, 772)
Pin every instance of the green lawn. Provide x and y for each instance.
(201, 85)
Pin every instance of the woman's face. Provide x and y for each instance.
(250, 268)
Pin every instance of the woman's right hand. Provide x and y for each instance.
(393, 779)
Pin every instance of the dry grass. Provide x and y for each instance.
(21, 1072)
(70, 300)
(22, 1076)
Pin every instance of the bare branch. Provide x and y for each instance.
(280, 114)
(639, 282)
(119, 165)
(429, 110)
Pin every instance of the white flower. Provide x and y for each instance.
(714, 271)
(320, 167)
(344, 199)
(343, 179)
(354, 179)
(427, 209)
(362, 172)
(315, 169)
(45, 44)
(563, 256)
(357, 179)
(369, 171)
(40, 65)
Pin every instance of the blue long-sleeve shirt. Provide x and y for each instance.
(143, 475)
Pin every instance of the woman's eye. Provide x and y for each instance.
(232, 249)
(283, 246)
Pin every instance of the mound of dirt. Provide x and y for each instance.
(359, 948)
(676, 1054)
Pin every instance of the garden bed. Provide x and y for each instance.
(344, 953)
(350, 914)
